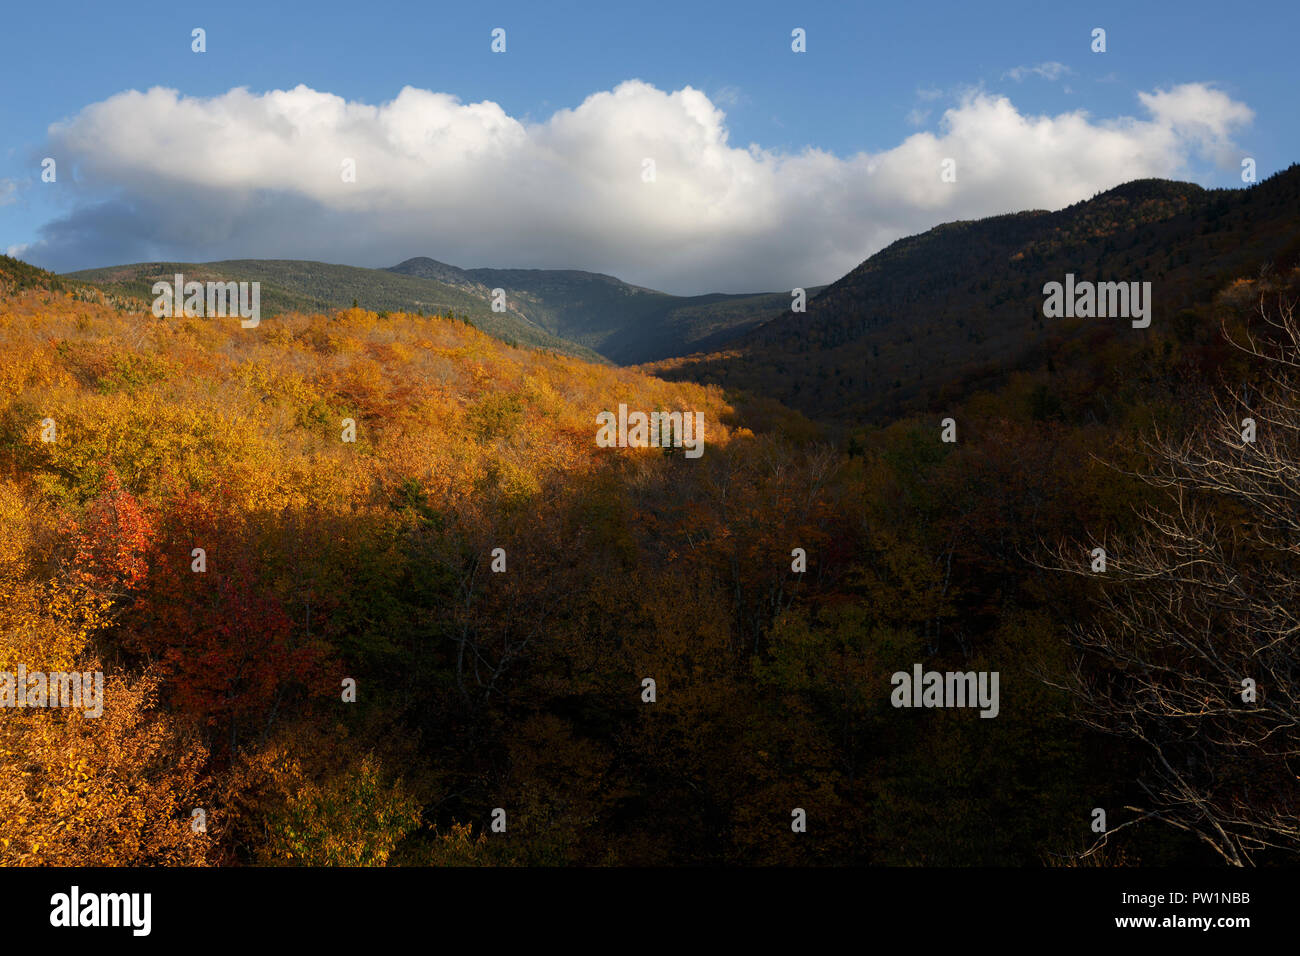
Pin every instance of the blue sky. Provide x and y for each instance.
(873, 76)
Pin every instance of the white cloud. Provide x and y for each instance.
(1048, 71)
(8, 191)
(245, 175)
(1203, 116)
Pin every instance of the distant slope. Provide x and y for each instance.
(931, 316)
(290, 285)
(586, 314)
(18, 276)
(626, 323)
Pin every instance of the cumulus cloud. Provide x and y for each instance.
(159, 175)
(1202, 116)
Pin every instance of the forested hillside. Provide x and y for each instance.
(936, 315)
(180, 506)
(578, 313)
(289, 285)
(623, 322)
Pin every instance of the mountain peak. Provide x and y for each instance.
(427, 268)
(1142, 190)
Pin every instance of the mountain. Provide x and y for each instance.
(626, 323)
(586, 314)
(290, 285)
(935, 315)
(929, 317)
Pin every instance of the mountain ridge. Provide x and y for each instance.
(591, 315)
(963, 301)
(627, 323)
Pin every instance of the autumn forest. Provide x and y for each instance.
(365, 590)
(651, 475)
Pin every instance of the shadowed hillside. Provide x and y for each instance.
(623, 322)
(937, 314)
